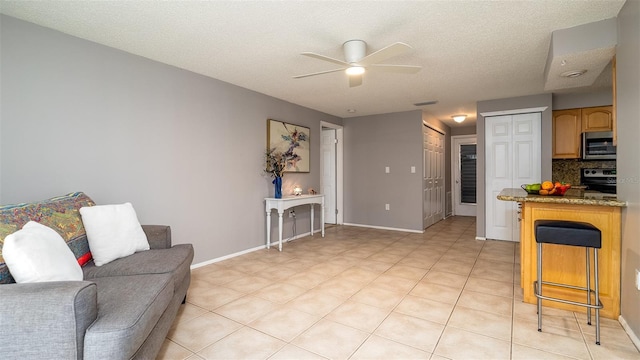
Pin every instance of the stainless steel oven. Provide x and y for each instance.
(598, 146)
(603, 180)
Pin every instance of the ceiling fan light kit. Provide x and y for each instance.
(355, 70)
(357, 61)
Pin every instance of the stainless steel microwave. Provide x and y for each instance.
(598, 146)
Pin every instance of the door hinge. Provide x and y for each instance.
(335, 141)
(336, 211)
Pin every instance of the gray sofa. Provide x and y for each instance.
(122, 310)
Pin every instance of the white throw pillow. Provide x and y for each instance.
(113, 231)
(38, 253)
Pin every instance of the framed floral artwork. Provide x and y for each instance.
(292, 141)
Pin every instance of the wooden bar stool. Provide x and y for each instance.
(571, 233)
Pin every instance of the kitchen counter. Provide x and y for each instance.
(573, 197)
(566, 264)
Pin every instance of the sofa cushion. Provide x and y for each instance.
(128, 309)
(175, 260)
(59, 213)
(113, 232)
(37, 253)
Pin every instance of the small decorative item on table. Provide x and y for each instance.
(297, 191)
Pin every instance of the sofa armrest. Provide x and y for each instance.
(46, 320)
(159, 236)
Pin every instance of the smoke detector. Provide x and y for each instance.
(573, 73)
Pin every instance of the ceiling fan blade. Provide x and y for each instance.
(317, 73)
(404, 69)
(385, 53)
(325, 58)
(355, 80)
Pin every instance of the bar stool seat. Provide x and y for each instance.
(570, 233)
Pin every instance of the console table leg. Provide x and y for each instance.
(322, 217)
(311, 219)
(280, 230)
(268, 229)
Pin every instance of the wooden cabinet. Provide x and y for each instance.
(614, 107)
(597, 119)
(566, 264)
(567, 125)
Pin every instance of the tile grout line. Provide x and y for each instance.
(457, 299)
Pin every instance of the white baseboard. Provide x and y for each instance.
(629, 331)
(385, 228)
(481, 238)
(213, 261)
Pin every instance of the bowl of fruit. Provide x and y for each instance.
(547, 188)
(532, 189)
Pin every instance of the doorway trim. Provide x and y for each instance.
(455, 163)
(339, 168)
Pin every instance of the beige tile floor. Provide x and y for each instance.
(364, 293)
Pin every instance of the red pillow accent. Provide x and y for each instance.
(84, 259)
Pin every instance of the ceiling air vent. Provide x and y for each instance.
(426, 103)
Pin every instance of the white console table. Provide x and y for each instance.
(288, 202)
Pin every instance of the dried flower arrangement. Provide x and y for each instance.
(276, 162)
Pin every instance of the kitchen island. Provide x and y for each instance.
(566, 264)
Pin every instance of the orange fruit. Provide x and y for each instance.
(543, 192)
(557, 184)
(547, 185)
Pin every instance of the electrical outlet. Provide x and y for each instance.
(413, 169)
(386, 207)
(637, 279)
(386, 169)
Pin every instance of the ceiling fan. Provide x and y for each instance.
(357, 61)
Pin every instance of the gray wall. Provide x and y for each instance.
(628, 116)
(602, 97)
(371, 143)
(465, 130)
(184, 149)
(522, 102)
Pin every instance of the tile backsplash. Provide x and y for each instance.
(569, 170)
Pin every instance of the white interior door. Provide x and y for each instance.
(328, 174)
(463, 159)
(512, 158)
(433, 176)
(438, 206)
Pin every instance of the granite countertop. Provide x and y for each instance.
(573, 196)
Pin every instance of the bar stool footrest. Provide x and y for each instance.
(564, 301)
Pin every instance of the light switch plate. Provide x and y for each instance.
(413, 169)
(386, 169)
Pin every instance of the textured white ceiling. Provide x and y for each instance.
(469, 50)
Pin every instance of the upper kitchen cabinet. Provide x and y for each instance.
(567, 125)
(597, 118)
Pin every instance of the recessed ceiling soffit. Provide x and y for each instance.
(578, 55)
